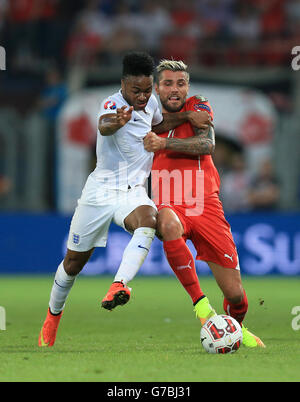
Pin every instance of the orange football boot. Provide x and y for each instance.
(117, 295)
(48, 332)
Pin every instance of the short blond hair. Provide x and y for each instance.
(172, 65)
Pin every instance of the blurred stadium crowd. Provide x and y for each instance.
(209, 32)
(46, 40)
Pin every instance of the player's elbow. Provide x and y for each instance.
(211, 145)
(212, 148)
(102, 129)
(105, 129)
(207, 148)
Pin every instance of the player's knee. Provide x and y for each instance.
(235, 299)
(143, 216)
(73, 265)
(148, 221)
(168, 229)
(235, 295)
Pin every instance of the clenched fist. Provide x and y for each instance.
(153, 142)
(200, 119)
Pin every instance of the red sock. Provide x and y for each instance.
(182, 262)
(237, 311)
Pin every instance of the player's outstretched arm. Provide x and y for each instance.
(112, 122)
(199, 119)
(203, 143)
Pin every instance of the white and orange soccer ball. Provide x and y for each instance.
(221, 334)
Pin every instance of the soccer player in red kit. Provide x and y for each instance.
(185, 186)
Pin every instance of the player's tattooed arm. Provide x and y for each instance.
(206, 140)
(202, 143)
(110, 123)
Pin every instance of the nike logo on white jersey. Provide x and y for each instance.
(229, 256)
(139, 246)
(185, 266)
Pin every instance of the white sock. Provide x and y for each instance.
(60, 289)
(135, 254)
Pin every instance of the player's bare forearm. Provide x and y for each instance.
(203, 143)
(108, 126)
(173, 120)
(110, 123)
(170, 121)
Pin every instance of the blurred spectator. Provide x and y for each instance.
(274, 48)
(283, 102)
(125, 33)
(30, 31)
(124, 17)
(183, 13)
(3, 13)
(264, 188)
(245, 25)
(272, 16)
(49, 105)
(221, 157)
(38, 31)
(292, 9)
(182, 42)
(95, 20)
(235, 186)
(245, 34)
(240, 192)
(216, 17)
(5, 186)
(89, 35)
(20, 30)
(225, 149)
(53, 96)
(46, 30)
(151, 15)
(107, 7)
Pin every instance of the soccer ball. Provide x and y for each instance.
(221, 334)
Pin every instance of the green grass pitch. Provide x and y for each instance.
(154, 338)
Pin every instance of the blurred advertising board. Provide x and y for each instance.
(36, 244)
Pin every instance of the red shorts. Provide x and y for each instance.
(209, 232)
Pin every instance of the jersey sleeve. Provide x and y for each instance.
(200, 103)
(108, 106)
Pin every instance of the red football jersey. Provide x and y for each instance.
(183, 179)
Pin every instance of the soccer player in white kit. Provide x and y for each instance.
(115, 190)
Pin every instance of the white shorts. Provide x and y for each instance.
(91, 220)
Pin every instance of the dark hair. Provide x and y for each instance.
(138, 63)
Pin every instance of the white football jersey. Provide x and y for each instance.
(122, 160)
